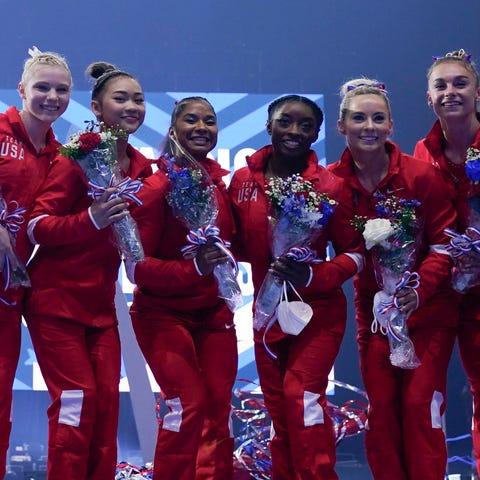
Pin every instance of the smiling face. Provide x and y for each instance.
(45, 92)
(121, 105)
(367, 123)
(452, 91)
(293, 128)
(195, 128)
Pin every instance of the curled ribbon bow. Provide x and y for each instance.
(389, 319)
(200, 237)
(408, 280)
(125, 189)
(11, 221)
(463, 243)
(303, 255)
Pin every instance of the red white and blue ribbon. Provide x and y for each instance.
(201, 236)
(127, 470)
(463, 243)
(11, 220)
(408, 280)
(303, 255)
(126, 189)
(252, 455)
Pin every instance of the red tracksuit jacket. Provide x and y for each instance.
(250, 207)
(459, 185)
(165, 278)
(22, 173)
(407, 178)
(74, 271)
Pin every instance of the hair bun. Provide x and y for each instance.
(97, 69)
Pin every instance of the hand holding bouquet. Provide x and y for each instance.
(465, 248)
(14, 272)
(298, 215)
(193, 201)
(392, 238)
(94, 149)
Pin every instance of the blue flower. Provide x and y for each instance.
(472, 169)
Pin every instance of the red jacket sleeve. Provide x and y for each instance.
(439, 214)
(162, 276)
(64, 202)
(330, 275)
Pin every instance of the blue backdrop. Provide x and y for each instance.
(259, 47)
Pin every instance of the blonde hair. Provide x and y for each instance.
(38, 58)
(361, 86)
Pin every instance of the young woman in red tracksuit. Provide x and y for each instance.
(404, 436)
(70, 309)
(27, 146)
(294, 384)
(453, 92)
(184, 329)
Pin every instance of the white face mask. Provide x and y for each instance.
(294, 316)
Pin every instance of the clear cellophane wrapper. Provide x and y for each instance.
(284, 235)
(194, 203)
(392, 258)
(14, 272)
(102, 170)
(467, 243)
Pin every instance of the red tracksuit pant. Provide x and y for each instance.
(81, 367)
(193, 357)
(294, 388)
(404, 437)
(10, 333)
(469, 347)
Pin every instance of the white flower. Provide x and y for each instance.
(105, 136)
(473, 154)
(376, 230)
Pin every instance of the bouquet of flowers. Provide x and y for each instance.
(392, 238)
(193, 201)
(15, 275)
(298, 214)
(469, 241)
(94, 149)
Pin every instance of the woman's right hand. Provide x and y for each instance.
(208, 256)
(469, 263)
(289, 270)
(105, 211)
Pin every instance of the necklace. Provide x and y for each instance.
(456, 170)
(453, 164)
